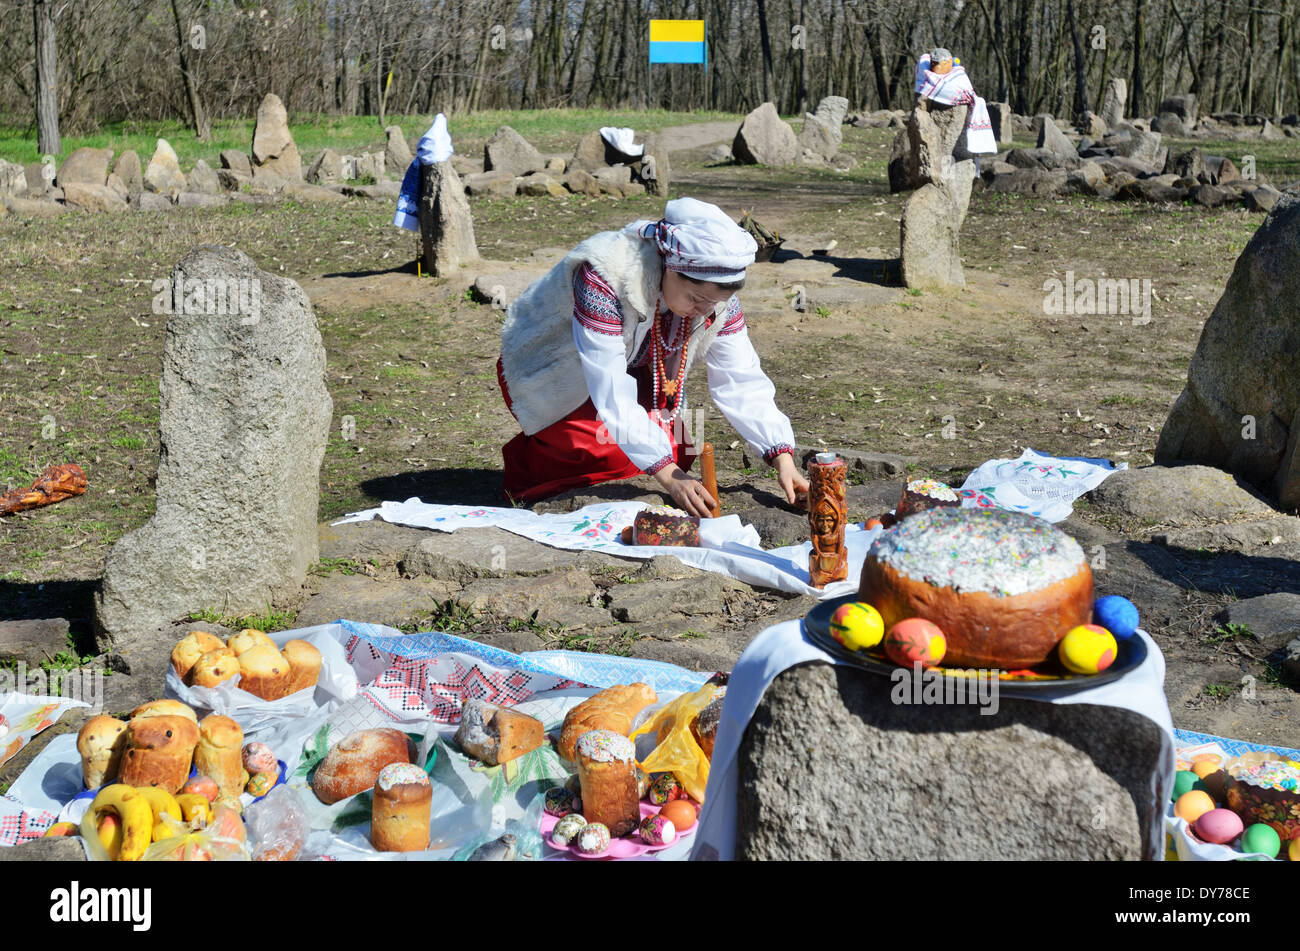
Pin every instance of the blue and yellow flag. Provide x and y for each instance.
(677, 41)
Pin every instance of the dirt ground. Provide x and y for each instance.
(951, 380)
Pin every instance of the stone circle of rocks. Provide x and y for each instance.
(764, 138)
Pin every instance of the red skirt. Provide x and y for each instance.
(577, 451)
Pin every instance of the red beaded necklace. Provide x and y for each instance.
(670, 388)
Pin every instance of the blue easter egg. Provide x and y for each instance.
(1116, 614)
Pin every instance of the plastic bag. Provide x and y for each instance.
(676, 750)
(278, 825)
(225, 840)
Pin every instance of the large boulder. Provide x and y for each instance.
(1137, 144)
(764, 139)
(86, 166)
(128, 169)
(236, 161)
(499, 184)
(163, 175)
(1112, 102)
(93, 198)
(244, 416)
(1183, 106)
(927, 145)
(819, 137)
(446, 225)
(275, 156)
(1170, 123)
(1188, 164)
(397, 154)
(828, 746)
(1000, 119)
(13, 180)
(832, 110)
(589, 153)
(1052, 138)
(508, 151)
(1240, 410)
(203, 180)
(930, 230)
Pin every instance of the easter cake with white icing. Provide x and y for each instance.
(1004, 587)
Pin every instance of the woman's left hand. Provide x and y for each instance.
(792, 483)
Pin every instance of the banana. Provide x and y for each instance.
(195, 805)
(161, 803)
(134, 819)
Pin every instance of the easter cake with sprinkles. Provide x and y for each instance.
(1004, 587)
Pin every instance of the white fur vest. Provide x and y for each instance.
(539, 359)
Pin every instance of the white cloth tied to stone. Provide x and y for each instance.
(699, 240)
(434, 146)
(952, 88)
(621, 139)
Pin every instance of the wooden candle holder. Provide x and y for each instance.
(827, 515)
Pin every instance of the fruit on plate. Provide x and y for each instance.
(122, 819)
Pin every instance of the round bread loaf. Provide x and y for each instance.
(218, 753)
(189, 649)
(159, 752)
(1004, 587)
(264, 672)
(101, 742)
(165, 708)
(304, 664)
(249, 638)
(354, 764)
(705, 727)
(214, 667)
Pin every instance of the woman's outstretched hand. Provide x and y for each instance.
(794, 485)
(688, 493)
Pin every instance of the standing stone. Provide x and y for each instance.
(327, 169)
(397, 154)
(930, 231)
(509, 151)
(655, 170)
(1139, 145)
(1052, 138)
(39, 181)
(236, 161)
(164, 175)
(86, 166)
(370, 165)
(1035, 781)
(127, 168)
(1093, 126)
(819, 138)
(93, 198)
(13, 180)
(1189, 164)
(446, 225)
(1170, 123)
(1240, 410)
(589, 153)
(926, 145)
(244, 416)
(203, 180)
(832, 110)
(275, 156)
(1000, 119)
(1112, 102)
(763, 139)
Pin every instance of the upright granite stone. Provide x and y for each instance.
(1052, 138)
(127, 168)
(86, 166)
(1112, 102)
(589, 153)
(397, 154)
(832, 110)
(764, 139)
(831, 768)
(1000, 118)
(203, 180)
(244, 416)
(163, 175)
(819, 137)
(1240, 410)
(930, 231)
(446, 225)
(327, 169)
(275, 156)
(509, 151)
(929, 142)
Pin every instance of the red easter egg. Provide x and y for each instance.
(914, 641)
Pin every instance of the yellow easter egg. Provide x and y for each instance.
(1204, 768)
(1192, 805)
(1293, 850)
(1087, 649)
(857, 625)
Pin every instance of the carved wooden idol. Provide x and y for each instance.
(827, 514)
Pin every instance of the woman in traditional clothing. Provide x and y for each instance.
(594, 358)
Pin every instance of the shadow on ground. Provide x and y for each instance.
(440, 487)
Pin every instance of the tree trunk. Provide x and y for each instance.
(1136, 93)
(766, 42)
(47, 87)
(1080, 64)
(198, 115)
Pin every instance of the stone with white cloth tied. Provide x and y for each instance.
(434, 146)
(955, 88)
(621, 139)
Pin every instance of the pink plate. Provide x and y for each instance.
(627, 847)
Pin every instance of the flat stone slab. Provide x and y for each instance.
(1179, 496)
(33, 641)
(1273, 619)
(59, 848)
(470, 553)
(651, 601)
(377, 601)
(376, 542)
(536, 597)
(1236, 536)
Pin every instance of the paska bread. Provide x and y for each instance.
(607, 772)
(189, 649)
(496, 735)
(218, 753)
(354, 764)
(101, 742)
(402, 800)
(613, 709)
(159, 751)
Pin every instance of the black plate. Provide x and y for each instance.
(1048, 676)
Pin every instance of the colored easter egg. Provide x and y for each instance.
(592, 838)
(681, 813)
(1219, 826)
(561, 802)
(857, 625)
(665, 788)
(1117, 615)
(567, 829)
(1087, 649)
(656, 830)
(916, 641)
(1184, 781)
(1190, 806)
(1261, 838)
(1293, 850)
(1204, 768)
